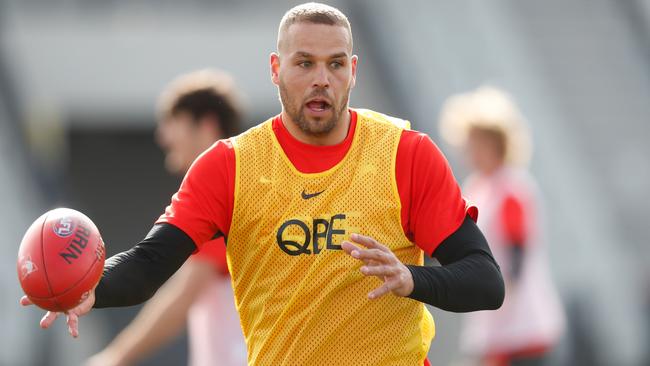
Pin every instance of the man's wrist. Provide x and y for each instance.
(422, 283)
(413, 277)
(410, 285)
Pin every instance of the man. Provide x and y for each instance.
(196, 110)
(294, 195)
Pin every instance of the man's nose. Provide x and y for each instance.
(321, 79)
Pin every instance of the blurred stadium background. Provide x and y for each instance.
(79, 79)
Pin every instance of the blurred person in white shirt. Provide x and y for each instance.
(487, 125)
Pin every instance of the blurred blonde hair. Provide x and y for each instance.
(487, 108)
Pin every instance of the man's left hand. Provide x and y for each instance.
(381, 262)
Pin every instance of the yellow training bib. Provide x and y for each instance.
(301, 299)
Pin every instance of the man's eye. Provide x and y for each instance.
(304, 64)
(336, 65)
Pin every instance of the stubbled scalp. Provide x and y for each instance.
(315, 13)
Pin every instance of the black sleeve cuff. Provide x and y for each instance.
(134, 276)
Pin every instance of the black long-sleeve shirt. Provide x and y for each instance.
(468, 280)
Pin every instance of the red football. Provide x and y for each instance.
(60, 258)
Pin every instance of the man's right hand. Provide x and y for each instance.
(72, 315)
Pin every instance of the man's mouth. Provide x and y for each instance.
(318, 105)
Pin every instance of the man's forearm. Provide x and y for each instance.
(471, 284)
(469, 278)
(132, 277)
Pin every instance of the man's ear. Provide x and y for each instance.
(275, 68)
(353, 62)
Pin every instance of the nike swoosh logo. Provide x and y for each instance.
(306, 196)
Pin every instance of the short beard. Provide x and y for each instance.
(297, 114)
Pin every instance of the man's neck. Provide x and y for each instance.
(333, 137)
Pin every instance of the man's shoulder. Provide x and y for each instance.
(225, 148)
(260, 128)
(383, 118)
(410, 140)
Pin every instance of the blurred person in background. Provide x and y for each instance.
(195, 111)
(487, 125)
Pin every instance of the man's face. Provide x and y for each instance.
(314, 72)
(179, 137)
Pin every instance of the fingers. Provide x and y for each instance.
(73, 324)
(48, 319)
(72, 316)
(379, 270)
(348, 247)
(376, 251)
(374, 256)
(25, 301)
(368, 256)
(381, 290)
(368, 242)
(380, 262)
